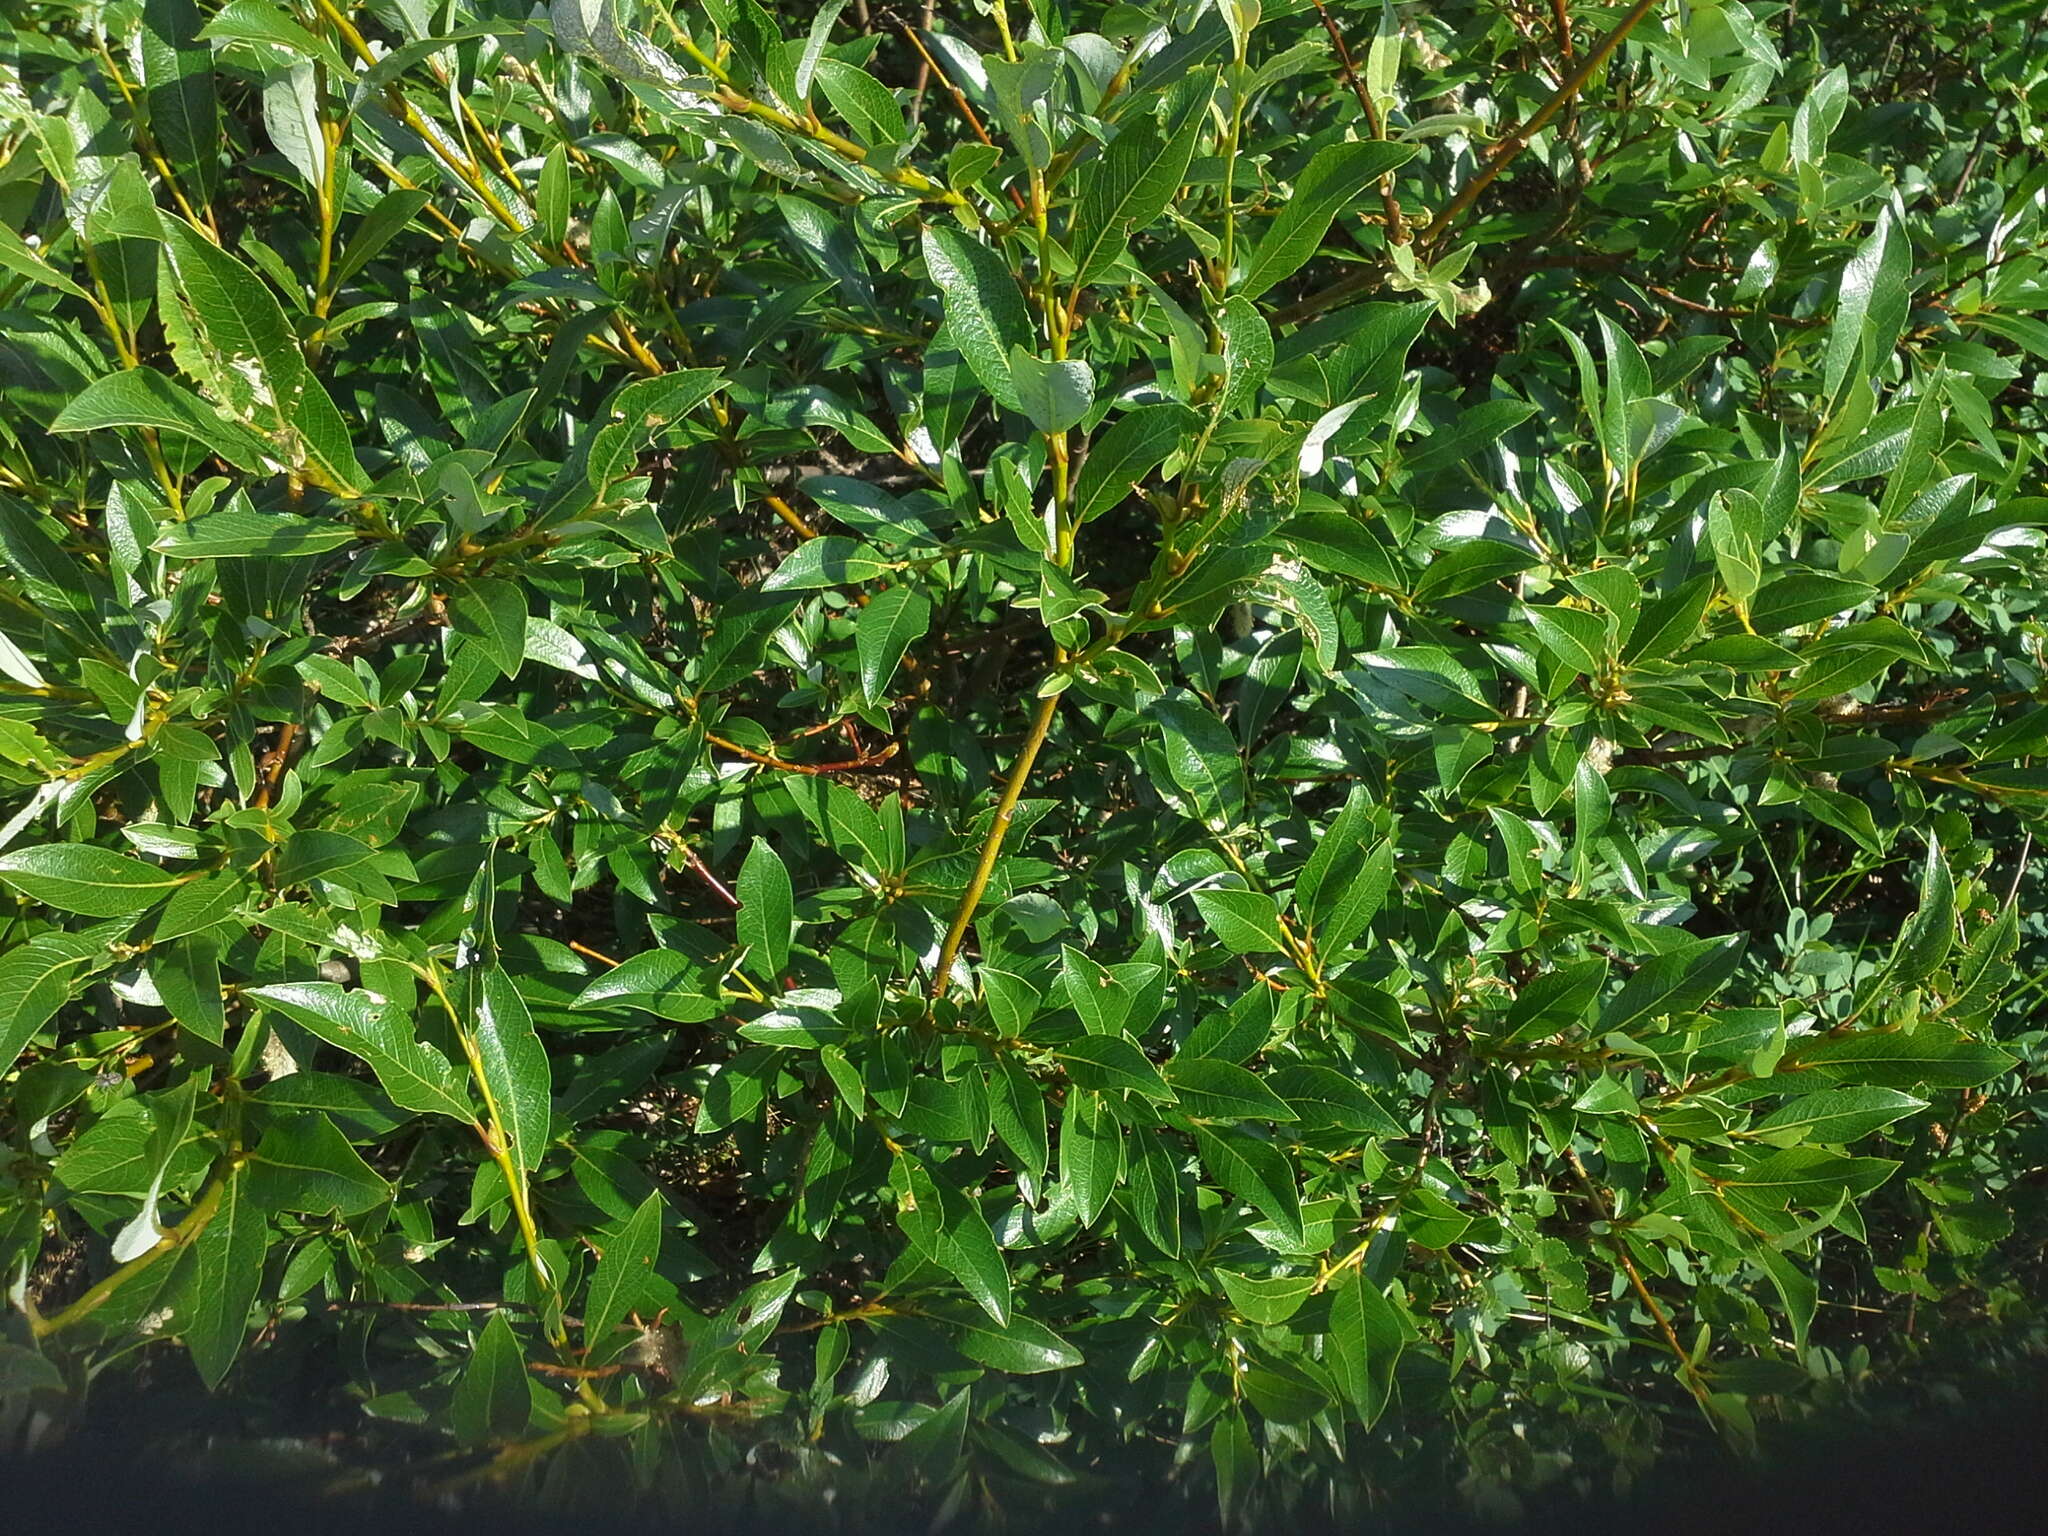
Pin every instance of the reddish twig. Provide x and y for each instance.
(703, 872)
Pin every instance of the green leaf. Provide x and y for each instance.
(1201, 758)
(1800, 597)
(1128, 186)
(1054, 395)
(491, 1400)
(949, 1229)
(829, 561)
(1247, 352)
(1676, 981)
(492, 614)
(176, 75)
(985, 312)
(82, 878)
(1336, 175)
(1324, 1097)
(1836, 1116)
(766, 918)
(1845, 331)
(227, 1270)
(1137, 443)
(864, 102)
(659, 981)
(305, 1164)
(1928, 1058)
(239, 532)
(1216, 1090)
(1809, 1178)
(416, 1075)
(1266, 1301)
(388, 217)
(1017, 1112)
(1573, 636)
(1338, 543)
(515, 1066)
(1023, 1346)
(1350, 897)
(1257, 1174)
(187, 977)
(1091, 1160)
(1246, 921)
(1110, 1064)
(36, 979)
(1102, 996)
(551, 196)
(1477, 427)
(892, 621)
(624, 1268)
(1930, 932)
(1365, 1340)
(229, 334)
(18, 257)
(142, 397)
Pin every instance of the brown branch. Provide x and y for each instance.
(272, 771)
(1561, 18)
(703, 872)
(960, 101)
(1504, 152)
(1732, 314)
(769, 760)
(1516, 142)
(1687, 1372)
(1397, 227)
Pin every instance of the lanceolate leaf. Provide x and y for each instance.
(1255, 1172)
(766, 915)
(1130, 185)
(985, 312)
(1333, 178)
(142, 397)
(890, 624)
(623, 1271)
(951, 1231)
(226, 1276)
(515, 1065)
(35, 981)
(1122, 457)
(229, 334)
(177, 83)
(80, 877)
(414, 1073)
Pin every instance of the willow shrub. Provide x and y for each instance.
(1103, 736)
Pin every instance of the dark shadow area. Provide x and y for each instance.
(1978, 1466)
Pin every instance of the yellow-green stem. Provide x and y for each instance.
(992, 846)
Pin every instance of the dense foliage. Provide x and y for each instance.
(972, 751)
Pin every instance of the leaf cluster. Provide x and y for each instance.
(1099, 736)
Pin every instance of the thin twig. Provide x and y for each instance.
(272, 771)
(769, 760)
(791, 516)
(1518, 141)
(992, 847)
(1397, 227)
(703, 872)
